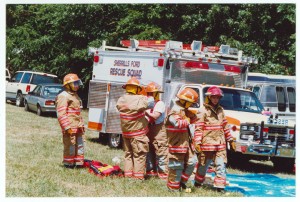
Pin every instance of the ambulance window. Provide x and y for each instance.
(281, 99)
(292, 98)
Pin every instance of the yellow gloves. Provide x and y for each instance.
(232, 145)
(197, 148)
(69, 131)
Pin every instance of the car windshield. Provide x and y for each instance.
(240, 100)
(40, 79)
(52, 90)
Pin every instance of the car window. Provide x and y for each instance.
(26, 78)
(37, 90)
(40, 79)
(17, 77)
(268, 94)
(281, 99)
(292, 98)
(52, 90)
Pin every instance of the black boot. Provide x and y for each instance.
(221, 190)
(197, 185)
(69, 166)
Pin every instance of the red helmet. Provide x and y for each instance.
(214, 90)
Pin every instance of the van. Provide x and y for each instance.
(277, 93)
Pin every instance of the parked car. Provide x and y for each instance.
(24, 81)
(42, 98)
(8, 76)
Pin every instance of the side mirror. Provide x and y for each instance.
(7, 79)
(30, 93)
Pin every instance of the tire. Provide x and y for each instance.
(114, 140)
(19, 100)
(26, 108)
(39, 111)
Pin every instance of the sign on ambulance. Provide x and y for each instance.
(114, 68)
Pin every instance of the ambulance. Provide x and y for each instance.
(176, 66)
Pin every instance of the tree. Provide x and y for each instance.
(55, 38)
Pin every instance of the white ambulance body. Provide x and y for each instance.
(175, 68)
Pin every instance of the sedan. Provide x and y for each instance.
(42, 98)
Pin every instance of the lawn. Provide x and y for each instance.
(34, 169)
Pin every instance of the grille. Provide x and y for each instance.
(278, 130)
(274, 135)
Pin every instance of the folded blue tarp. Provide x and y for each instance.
(261, 185)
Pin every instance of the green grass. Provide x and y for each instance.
(34, 169)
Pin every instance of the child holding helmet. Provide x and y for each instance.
(182, 158)
(68, 107)
(214, 132)
(158, 145)
(134, 127)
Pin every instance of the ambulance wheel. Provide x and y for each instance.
(114, 140)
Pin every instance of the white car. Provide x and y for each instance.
(25, 81)
(7, 77)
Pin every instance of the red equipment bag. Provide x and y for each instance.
(102, 170)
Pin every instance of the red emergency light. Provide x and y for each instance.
(292, 132)
(96, 58)
(160, 62)
(234, 128)
(265, 130)
(193, 64)
(231, 68)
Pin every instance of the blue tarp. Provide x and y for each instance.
(261, 185)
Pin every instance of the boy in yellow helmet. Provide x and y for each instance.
(182, 158)
(68, 108)
(157, 158)
(134, 127)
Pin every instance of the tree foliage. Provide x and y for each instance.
(55, 38)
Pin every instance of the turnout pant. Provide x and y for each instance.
(135, 149)
(73, 149)
(181, 167)
(204, 160)
(157, 157)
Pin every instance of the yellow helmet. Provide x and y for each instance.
(69, 78)
(189, 95)
(133, 86)
(153, 87)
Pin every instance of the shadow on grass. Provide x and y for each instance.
(254, 166)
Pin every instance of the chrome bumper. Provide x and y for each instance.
(265, 150)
